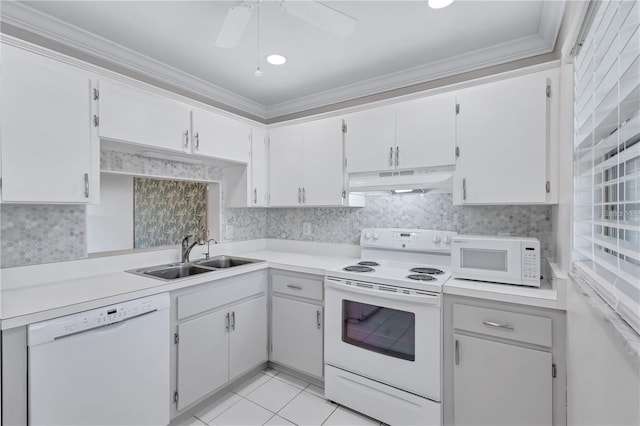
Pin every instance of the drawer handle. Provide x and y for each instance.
(295, 287)
(498, 325)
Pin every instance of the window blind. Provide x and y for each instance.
(606, 247)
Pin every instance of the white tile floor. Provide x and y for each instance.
(273, 398)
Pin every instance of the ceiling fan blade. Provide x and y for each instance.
(234, 25)
(322, 16)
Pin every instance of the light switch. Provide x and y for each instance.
(229, 232)
(306, 228)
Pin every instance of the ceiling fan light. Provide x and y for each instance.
(234, 25)
(276, 59)
(439, 4)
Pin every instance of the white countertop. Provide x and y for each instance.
(39, 299)
(30, 295)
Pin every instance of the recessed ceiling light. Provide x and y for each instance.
(439, 4)
(276, 59)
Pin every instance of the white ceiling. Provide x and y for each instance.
(395, 44)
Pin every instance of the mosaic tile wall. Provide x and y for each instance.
(33, 234)
(167, 210)
(426, 211)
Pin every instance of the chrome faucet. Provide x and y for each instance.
(186, 248)
(206, 255)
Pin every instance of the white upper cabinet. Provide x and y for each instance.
(323, 183)
(370, 140)
(133, 115)
(306, 163)
(49, 154)
(259, 168)
(215, 135)
(247, 185)
(426, 132)
(504, 140)
(286, 166)
(409, 135)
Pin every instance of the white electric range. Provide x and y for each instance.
(383, 338)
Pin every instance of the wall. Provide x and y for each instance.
(603, 380)
(427, 211)
(66, 239)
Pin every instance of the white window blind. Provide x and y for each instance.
(607, 157)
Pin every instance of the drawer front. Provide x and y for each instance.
(509, 325)
(309, 288)
(227, 291)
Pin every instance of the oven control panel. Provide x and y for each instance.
(407, 239)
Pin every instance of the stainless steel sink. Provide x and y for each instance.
(222, 262)
(172, 271)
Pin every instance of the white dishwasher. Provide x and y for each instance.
(108, 366)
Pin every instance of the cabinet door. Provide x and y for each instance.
(46, 130)
(133, 115)
(296, 335)
(370, 140)
(426, 132)
(503, 137)
(215, 135)
(259, 168)
(286, 166)
(500, 384)
(203, 356)
(248, 338)
(323, 163)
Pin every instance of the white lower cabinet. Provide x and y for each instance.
(504, 364)
(221, 333)
(501, 384)
(297, 322)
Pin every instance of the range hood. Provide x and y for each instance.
(440, 178)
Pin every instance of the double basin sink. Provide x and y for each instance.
(174, 271)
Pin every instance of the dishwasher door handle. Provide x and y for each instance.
(106, 327)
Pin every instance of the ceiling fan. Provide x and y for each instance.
(310, 11)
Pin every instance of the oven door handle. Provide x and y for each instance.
(422, 299)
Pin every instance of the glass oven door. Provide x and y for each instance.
(390, 337)
(386, 331)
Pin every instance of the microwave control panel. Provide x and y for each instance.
(530, 262)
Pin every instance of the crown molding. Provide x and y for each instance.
(49, 27)
(84, 42)
(482, 58)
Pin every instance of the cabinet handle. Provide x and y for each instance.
(197, 137)
(464, 189)
(86, 185)
(295, 287)
(299, 195)
(233, 320)
(318, 319)
(390, 156)
(186, 139)
(498, 325)
(255, 196)
(304, 196)
(397, 156)
(457, 352)
(227, 322)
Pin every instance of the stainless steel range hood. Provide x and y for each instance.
(440, 178)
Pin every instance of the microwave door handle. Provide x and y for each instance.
(422, 299)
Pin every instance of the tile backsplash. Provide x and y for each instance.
(426, 211)
(33, 234)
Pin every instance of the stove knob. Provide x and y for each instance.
(446, 239)
(367, 235)
(436, 239)
(376, 235)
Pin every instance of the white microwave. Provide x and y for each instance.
(509, 260)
